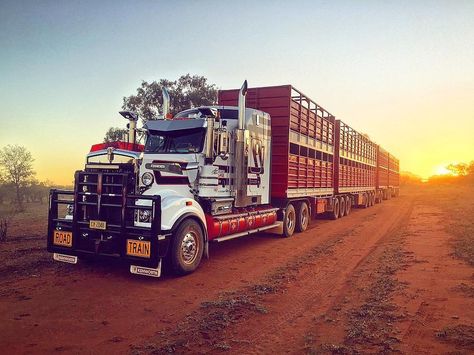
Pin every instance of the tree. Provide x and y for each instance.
(460, 169)
(114, 134)
(186, 92)
(470, 169)
(16, 164)
(37, 191)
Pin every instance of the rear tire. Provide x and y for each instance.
(378, 197)
(342, 206)
(302, 217)
(187, 247)
(348, 205)
(366, 200)
(334, 214)
(289, 221)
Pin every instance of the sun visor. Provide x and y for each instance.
(174, 125)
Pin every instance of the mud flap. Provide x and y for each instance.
(206, 250)
(146, 271)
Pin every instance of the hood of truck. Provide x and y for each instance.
(174, 174)
(112, 154)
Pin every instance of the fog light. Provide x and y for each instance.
(69, 210)
(144, 216)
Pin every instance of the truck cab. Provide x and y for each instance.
(200, 176)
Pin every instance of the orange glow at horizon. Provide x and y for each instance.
(442, 170)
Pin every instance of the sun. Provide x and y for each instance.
(441, 170)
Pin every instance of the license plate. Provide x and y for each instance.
(139, 248)
(97, 225)
(62, 238)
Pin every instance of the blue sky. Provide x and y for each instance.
(401, 71)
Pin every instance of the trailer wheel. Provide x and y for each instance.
(342, 206)
(378, 197)
(334, 214)
(289, 221)
(187, 247)
(302, 214)
(366, 200)
(348, 205)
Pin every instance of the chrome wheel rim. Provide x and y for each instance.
(304, 216)
(189, 248)
(290, 220)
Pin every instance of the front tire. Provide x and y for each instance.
(187, 247)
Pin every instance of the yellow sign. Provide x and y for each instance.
(62, 238)
(138, 248)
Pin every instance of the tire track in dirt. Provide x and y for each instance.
(289, 298)
(321, 292)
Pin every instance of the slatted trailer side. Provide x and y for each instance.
(302, 140)
(394, 175)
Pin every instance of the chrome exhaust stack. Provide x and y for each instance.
(166, 102)
(241, 158)
(242, 94)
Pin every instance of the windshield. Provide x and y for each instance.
(179, 141)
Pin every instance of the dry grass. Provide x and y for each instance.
(458, 207)
(372, 324)
(461, 335)
(467, 290)
(206, 326)
(24, 251)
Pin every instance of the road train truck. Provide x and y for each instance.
(262, 159)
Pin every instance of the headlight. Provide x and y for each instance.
(144, 216)
(147, 179)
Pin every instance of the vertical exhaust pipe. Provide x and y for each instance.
(166, 102)
(242, 93)
(241, 175)
(132, 131)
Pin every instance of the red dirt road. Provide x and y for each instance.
(381, 279)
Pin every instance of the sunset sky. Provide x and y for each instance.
(400, 71)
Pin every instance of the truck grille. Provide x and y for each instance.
(107, 198)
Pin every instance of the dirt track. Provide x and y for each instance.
(381, 279)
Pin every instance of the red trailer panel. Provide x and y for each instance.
(302, 139)
(382, 168)
(356, 157)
